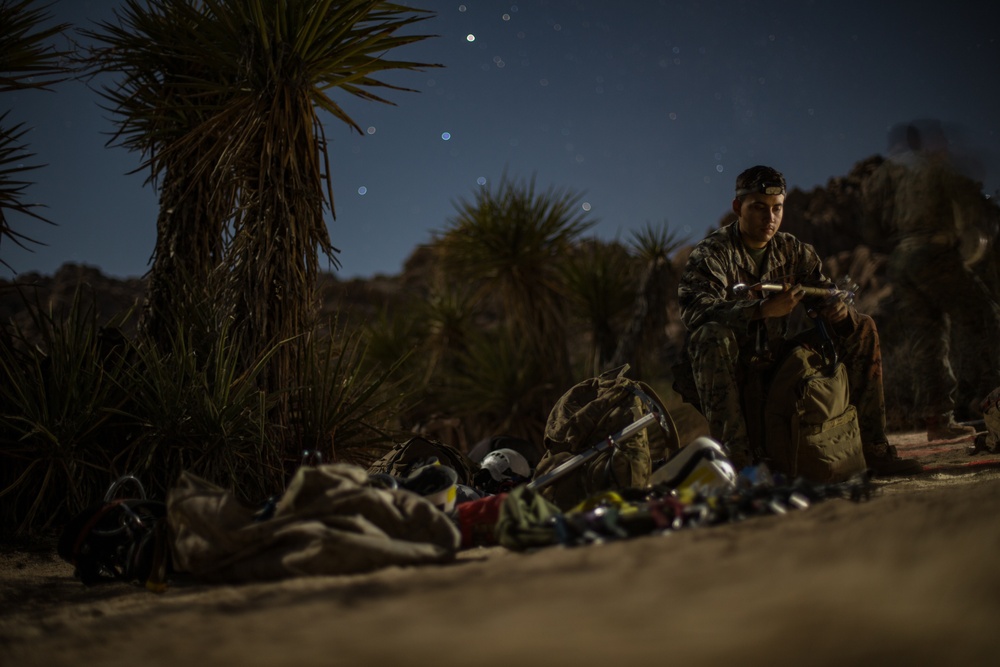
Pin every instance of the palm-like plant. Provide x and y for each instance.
(62, 387)
(657, 286)
(509, 245)
(345, 404)
(27, 61)
(228, 96)
(600, 278)
(499, 385)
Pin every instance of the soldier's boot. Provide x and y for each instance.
(944, 427)
(883, 460)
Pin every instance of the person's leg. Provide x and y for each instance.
(975, 319)
(861, 355)
(939, 299)
(714, 354)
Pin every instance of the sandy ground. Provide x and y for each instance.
(909, 577)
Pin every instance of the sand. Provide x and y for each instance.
(908, 577)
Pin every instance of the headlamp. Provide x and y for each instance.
(763, 188)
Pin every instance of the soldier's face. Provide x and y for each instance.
(760, 217)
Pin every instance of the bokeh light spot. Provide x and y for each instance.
(585, 206)
(371, 129)
(446, 136)
(481, 180)
(470, 37)
(362, 191)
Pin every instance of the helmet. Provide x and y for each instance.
(701, 466)
(505, 463)
(500, 470)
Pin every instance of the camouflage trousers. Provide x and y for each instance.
(939, 299)
(720, 376)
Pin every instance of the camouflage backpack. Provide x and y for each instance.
(399, 460)
(584, 416)
(810, 428)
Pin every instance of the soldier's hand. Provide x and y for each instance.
(834, 312)
(782, 303)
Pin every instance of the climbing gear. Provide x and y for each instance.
(418, 451)
(499, 467)
(597, 437)
(124, 539)
(700, 466)
(528, 521)
(435, 482)
(990, 440)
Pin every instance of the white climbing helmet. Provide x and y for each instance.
(504, 463)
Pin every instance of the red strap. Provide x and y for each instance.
(90, 526)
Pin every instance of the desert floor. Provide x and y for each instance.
(908, 577)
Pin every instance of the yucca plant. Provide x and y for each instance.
(196, 407)
(508, 245)
(59, 431)
(600, 280)
(394, 335)
(13, 156)
(27, 61)
(499, 386)
(345, 406)
(148, 54)
(231, 93)
(656, 291)
(449, 317)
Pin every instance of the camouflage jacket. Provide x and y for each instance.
(720, 261)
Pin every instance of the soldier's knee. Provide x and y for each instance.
(867, 324)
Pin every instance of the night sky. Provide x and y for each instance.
(647, 109)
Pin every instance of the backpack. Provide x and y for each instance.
(587, 414)
(401, 459)
(810, 428)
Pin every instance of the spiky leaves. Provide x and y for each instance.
(600, 279)
(656, 289)
(509, 244)
(229, 96)
(27, 61)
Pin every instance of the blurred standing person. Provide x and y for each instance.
(918, 202)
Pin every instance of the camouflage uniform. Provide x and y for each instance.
(915, 202)
(723, 334)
